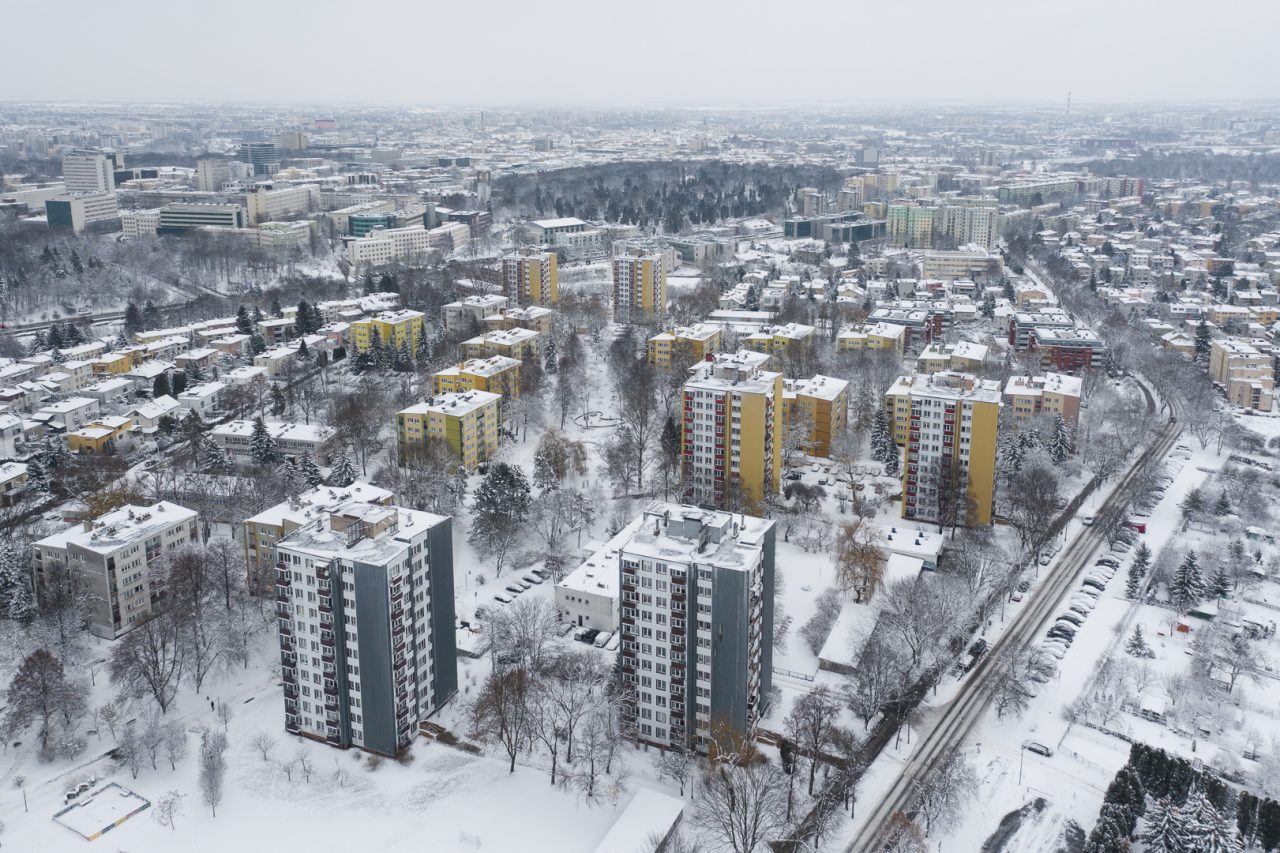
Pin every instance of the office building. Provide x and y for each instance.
(639, 287)
(261, 156)
(696, 621)
(119, 561)
(140, 223)
(87, 171)
(731, 430)
(466, 421)
(80, 211)
(948, 424)
(183, 217)
(365, 604)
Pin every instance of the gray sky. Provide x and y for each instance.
(604, 52)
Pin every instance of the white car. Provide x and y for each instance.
(1086, 520)
(502, 599)
(533, 579)
(602, 639)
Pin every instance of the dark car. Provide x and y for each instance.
(590, 635)
(1062, 632)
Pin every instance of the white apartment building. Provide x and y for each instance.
(460, 315)
(203, 399)
(265, 203)
(365, 602)
(292, 440)
(119, 560)
(696, 622)
(384, 245)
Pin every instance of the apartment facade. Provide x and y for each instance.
(531, 277)
(890, 337)
(1051, 394)
(950, 431)
(639, 286)
(394, 328)
(293, 440)
(364, 597)
(731, 429)
(497, 374)
(1244, 372)
(693, 343)
(697, 605)
(824, 400)
(466, 421)
(119, 561)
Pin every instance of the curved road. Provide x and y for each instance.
(970, 703)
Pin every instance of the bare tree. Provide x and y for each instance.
(677, 765)
(175, 743)
(941, 794)
(503, 711)
(263, 742)
(148, 661)
(39, 691)
(1016, 670)
(878, 677)
(166, 809)
(859, 565)
(810, 725)
(109, 715)
(213, 771)
(742, 807)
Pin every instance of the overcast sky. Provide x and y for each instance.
(601, 52)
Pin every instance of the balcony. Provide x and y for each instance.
(282, 577)
(285, 630)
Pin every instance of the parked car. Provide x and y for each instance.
(513, 589)
(531, 579)
(567, 629)
(1038, 748)
(614, 642)
(1094, 583)
(794, 475)
(1072, 617)
(590, 635)
(1107, 561)
(1055, 650)
(1136, 525)
(542, 573)
(602, 639)
(502, 599)
(1086, 520)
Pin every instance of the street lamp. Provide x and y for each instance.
(1022, 751)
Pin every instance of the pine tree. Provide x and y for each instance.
(549, 358)
(311, 471)
(121, 341)
(22, 603)
(262, 445)
(1205, 829)
(988, 303)
(1193, 503)
(302, 319)
(160, 386)
(1163, 832)
(1137, 645)
(1203, 341)
(882, 445)
(1220, 583)
(133, 319)
(257, 345)
(1138, 570)
(212, 457)
(276, 310)
(403, 356)
(244, 325)
(10, 575)
(39, 482)
(303, 352)
(1063, 446)
(278, 404)
(1187, 588)
(344, 472)
(1222, 506)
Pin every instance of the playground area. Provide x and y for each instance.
(100, 811)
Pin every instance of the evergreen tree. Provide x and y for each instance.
(403, 358)
(1063, 446)
(1163, 832)
(303, 352)
(179, 383)
(1205, 829)
(160, 386)
(1203, 341)
(212, 457)
(1187, 588)
(277, 401)
(1193, 503)
(1138, 570)
(1220, 583)
(425, 351)
(1137, 645)
(882, 446)
(988, 309)
(39, 483)
(262, 445)
(549, 358)
(311, 471)
(1222, 506)
(133, 318)
(10, 575)
(369, 286)
(257, 345)
(244, 325)
(121, 341)
(1269, 824)
(302, 321)
(344, 472)
(276, 310)
(22, 603)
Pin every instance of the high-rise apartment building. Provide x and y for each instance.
(639, 286)
(731, 430)
(910, 225)
(822, 404)
(530, 277)
(696, 604)
(118, 560)
(212, 173)
(948, 423)
(967, 221)
(467, 422)
(365, 604)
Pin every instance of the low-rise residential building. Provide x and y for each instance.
(533, 317)
(512, 343)
(70, 414)
(467, 422)
(397, 329)
(101, 437)
(1068, 350)
(889, 337)
(468, 314)
(203, 399)
(366, 622)
(119, 560)
(1244, 372)
(778, 340)
(293, 440)
(147, 416)
(963, 356)
(496, 374)
(588, 596)
(683, 345)
(13, 482)
(1050, 394)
